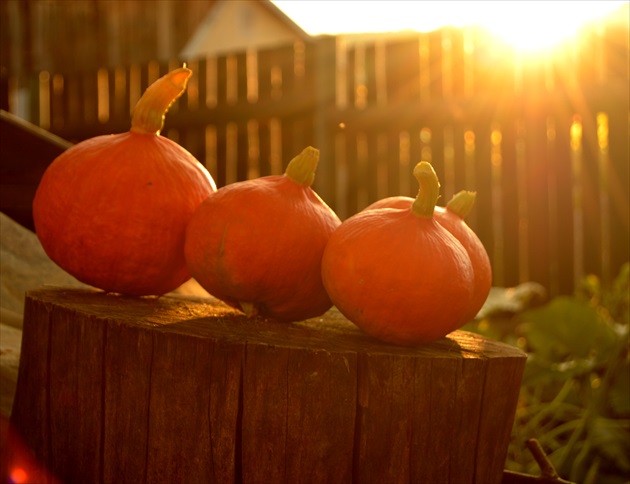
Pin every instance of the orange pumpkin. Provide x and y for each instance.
(112, 210)
(397, 273)
(257, 244)
(452, 218)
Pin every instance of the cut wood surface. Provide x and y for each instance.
(186, 389)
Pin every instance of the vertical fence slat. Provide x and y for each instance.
(483, 203)
(264, 148)
(241, 77)
(362, 171)
(460, 181)
(321, 67)
(221, 151)
(619, 186)
(380, 169)
(510, 191)
(564, 249)
(350, 76)
(591, 230)
(340, 179)
(406, 152)
(392, 166)
(536, 175)
(403, 71)
(354, 178)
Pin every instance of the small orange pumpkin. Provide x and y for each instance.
(112, 210)
(452, 218)
(397, 273)
(257, 244)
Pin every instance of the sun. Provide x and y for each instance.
(531, 26)
(528, 25)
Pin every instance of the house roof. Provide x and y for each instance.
(232, 26)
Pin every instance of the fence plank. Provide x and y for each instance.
(321, 69)
(564, 249)
(618, 187)
(590, 203)
(403, 71)
(483, 173)
(536, 261)
(510, 191)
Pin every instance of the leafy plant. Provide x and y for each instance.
(575, 394)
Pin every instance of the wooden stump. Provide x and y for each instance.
(187, 390)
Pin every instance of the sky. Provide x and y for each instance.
(526, 23)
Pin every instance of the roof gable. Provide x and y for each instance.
(233, 26)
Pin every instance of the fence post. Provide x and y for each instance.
(325, 79)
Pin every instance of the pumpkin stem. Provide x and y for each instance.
(462, 203)
(301, 169)
(429, 190)
(148, 115)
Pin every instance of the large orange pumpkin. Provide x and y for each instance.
(397, 273)
(257, 244)
(452, 218)
(112, 210)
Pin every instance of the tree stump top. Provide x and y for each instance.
(210, 318)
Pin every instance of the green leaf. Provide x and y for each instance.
(568, 328)
(512, 300)
(539, 371)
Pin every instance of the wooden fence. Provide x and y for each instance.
(543, 140)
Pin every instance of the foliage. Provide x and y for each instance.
(575, 394)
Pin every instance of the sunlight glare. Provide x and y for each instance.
(524, 24)
(533, 26)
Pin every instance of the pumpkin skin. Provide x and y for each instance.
(391, 202)
(400, 276)
(112, 210)
(452, 218)
(257, 244)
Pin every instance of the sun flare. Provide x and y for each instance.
(535, 26)
(525, 24)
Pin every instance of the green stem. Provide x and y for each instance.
(548, 438)
(429, 190)
(462, 203)
(301, 169)
(148, 115)
(549, 409)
